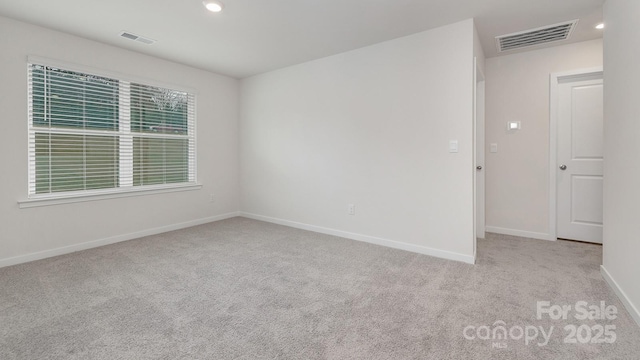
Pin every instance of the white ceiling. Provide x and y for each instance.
(254, 36)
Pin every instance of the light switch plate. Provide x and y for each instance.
(453, 146)
(494, 148)
(514, 125)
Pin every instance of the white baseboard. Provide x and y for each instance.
(111, 240)
(469, 259)
(632, 309)
(519, 233)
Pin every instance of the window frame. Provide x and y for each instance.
(123, 132)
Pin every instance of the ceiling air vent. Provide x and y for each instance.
(138, 38)
(537, 36)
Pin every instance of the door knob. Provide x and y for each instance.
(563, 167)
(478, 167)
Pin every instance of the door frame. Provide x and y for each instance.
(554, 82)
(479, 130)
(478, 77)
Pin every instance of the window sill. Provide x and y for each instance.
(106, 195)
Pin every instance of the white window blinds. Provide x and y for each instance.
(95, 134)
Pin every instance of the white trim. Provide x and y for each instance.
(125, 138)
(632, 309)
(69, 198)
(520, 233)
(469, 259)
(479, 79)
(554, 82)
(474, 147)
(111, 240)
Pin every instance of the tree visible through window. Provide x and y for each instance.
(159, 160)
(88, 132)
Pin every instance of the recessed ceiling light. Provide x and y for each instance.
(600, 26)
(213, 5)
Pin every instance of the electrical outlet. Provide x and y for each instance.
(351, 209)
(212, 197)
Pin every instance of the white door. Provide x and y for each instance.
(580, 159)
(480, 171)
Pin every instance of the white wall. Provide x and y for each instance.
(369, 127)
(621, 254)
(26, 234)
(517, 176)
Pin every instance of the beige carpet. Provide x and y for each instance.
(244, 289)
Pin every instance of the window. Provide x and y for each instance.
(91, 134)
